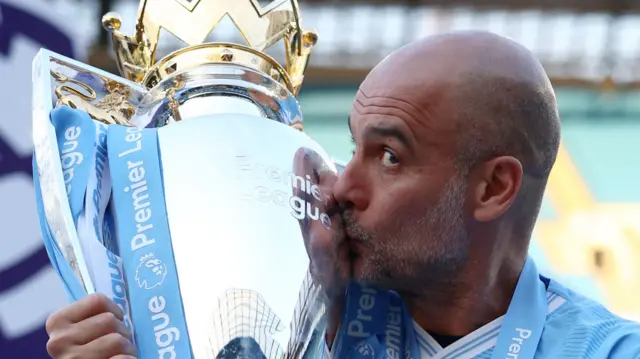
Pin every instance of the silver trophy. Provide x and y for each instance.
(186, 189)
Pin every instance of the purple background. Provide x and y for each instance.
(17, 23)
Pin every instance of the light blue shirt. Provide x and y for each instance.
(576, 328)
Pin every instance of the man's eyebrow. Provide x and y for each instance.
(388, 131)
(353, 140)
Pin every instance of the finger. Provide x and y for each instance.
(108, 346)
(74, 338)
(85, 308)
(98, 326)
(59, 345)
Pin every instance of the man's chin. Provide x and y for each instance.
(360, 271)
(358, 259)
(364, 273)
(343, 268)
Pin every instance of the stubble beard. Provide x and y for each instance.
(428, 251)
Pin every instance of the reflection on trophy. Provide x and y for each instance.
(185, 190)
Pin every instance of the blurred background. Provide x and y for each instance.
(588, 235)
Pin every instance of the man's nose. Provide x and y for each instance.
(350, 188)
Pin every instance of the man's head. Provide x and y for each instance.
(455, 136)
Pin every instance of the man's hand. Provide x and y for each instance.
(324, 235)
(90, 328)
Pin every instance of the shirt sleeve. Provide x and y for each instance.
(624, 344)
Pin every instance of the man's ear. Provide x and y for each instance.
(495, 186)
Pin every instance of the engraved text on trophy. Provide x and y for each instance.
(254, 181)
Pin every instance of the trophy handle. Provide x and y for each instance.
(106, 98)
(60, 81)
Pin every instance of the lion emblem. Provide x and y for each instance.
(151, 272)
(365, 350)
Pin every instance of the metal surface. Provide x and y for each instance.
(261, 27)
(243, 215)
(227, 88)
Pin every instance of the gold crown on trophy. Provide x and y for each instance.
(261, 26)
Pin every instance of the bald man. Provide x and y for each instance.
(455, 136)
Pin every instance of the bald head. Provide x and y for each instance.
(489, 93)
(455, 136)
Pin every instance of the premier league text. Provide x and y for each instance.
(516, 343)
(366, 302)
(301, 185)
(70, 158)
(138, 190)
(357, 327)
(118, 287)
(165, 334)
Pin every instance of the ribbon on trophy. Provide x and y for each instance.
(377, 325)
(145, 242)
(67, 138)
(83, 157)
(95, 157)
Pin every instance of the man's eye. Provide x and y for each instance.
(389, 159)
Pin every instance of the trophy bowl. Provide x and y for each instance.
(185, 190)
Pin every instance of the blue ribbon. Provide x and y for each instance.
(75, 137)
(523, 324)
(72, 284)
(377, 325)
(145, 243)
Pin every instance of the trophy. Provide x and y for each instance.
(185, 190)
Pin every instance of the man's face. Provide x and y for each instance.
(402, 195)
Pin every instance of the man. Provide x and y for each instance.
(455, 136)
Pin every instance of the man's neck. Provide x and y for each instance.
(479, 295)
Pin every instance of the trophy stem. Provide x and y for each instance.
(217, 89)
